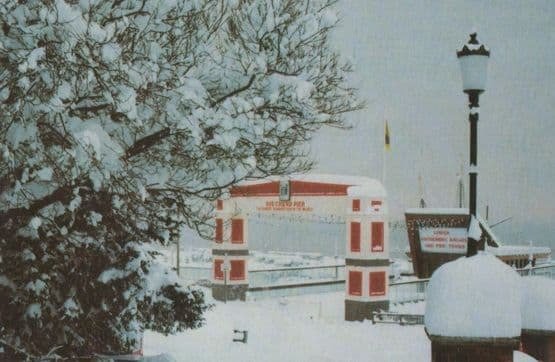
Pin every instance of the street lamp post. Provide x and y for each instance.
(473, 59)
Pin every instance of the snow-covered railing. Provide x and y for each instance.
(295, 289)
(397, 318)
(547, 270)
(265, 277)
(273, 276)
(286, 281)
(274, 282)
(409, 291)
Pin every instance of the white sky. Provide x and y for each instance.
(406, 69)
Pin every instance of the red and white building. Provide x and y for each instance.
(230, 252)
(367, 254)
(360, 201)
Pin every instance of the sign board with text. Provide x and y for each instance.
(443, 240)
(297, 205)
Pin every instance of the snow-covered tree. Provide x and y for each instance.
(120, 122)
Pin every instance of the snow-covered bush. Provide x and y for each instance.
(121, 121)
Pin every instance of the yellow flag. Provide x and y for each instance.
(387, 140)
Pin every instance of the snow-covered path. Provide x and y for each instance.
(304, 328)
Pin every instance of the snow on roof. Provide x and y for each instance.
(474, 230)
(538, 300)
(437, 211)
(321, 178)
(474, 297)
(522, 357)
(487, 229)
(506, 250)
(375, 190)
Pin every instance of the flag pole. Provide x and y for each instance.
(383, 165)
(387, 144)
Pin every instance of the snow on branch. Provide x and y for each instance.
(121, 122)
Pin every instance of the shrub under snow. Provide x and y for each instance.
(120, 122)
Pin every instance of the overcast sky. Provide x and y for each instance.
(407, 71)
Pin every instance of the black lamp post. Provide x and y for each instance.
(473, 58)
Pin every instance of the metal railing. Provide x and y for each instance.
(273, 276)
(409, 291)
(327, 278)
(297, 275)
(397, 318)
(540, 270)
(295, 289)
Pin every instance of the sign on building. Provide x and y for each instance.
(284, 190)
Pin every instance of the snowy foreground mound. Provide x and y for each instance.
(309, 328)
(474, 297)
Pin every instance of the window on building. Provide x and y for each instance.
(237, 270)
(377, 283)
(355, 236)
(219, 205)
(218, 272)
(219, 237)
(355, 283)
(356, 205)
(377, 236)
(237, 231)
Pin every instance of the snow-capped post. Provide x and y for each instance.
(473, 58)
(473, 310)
(538, 319)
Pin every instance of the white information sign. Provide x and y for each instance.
(284, 190)
(443, 240)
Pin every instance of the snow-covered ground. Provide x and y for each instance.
(304, 328)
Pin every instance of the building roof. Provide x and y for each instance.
(316, 184)
(318, 178)
(437, 211)
(522, 250)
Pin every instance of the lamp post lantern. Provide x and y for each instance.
(473, 59)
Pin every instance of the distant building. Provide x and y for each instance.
(360, 202)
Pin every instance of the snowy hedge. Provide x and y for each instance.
(120, 122)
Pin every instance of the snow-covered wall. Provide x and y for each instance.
(538, 303)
